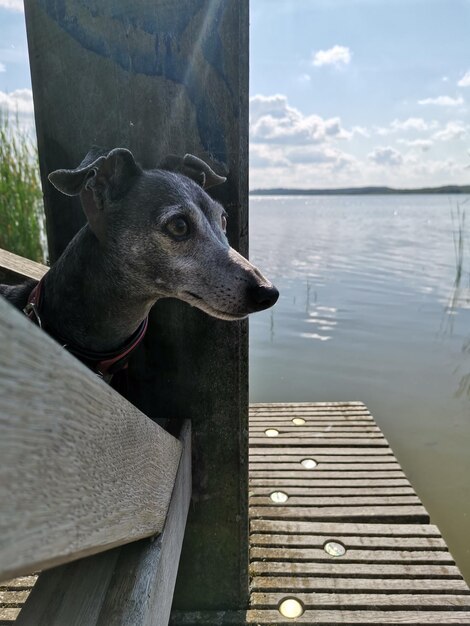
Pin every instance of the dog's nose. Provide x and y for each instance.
(262, 298)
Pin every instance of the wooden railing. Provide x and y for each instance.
(83, 471)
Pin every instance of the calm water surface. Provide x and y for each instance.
(368, 311)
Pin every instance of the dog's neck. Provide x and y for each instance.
(89, 300)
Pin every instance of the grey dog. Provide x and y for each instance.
(150, 234)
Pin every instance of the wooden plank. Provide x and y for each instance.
(321, 417)
(294, 584)
(322, 472)
(347, 529)
(319, 555)
(299, 436)
(318, 419)
(317, 450)
(141, 590)
(321, 481)
(320, 458)
(308, 407)
(333, 490)
(403, 513)
(366, 542)
(319, 441)
(129, 586)
(51, 601)
(312, 416)
(13, 598)
(327, 466)
(312, 428)
(430, 618)
(315, 417)
(405, 601)
(22, 582)
(8, 615)
(15, 269)
(312, 439)
(72, 454)
(357, 570)
(279, 406)
(340, 500)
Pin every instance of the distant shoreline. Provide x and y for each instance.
(359, 191)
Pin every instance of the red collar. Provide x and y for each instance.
(34, 301)
(105, 364)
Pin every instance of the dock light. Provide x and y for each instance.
(334, 548)
(291, 607)
(308, 463)
(279, 497)
(298, 421)
(271, 432)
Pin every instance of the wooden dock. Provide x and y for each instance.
(336, 528)
(337, 533)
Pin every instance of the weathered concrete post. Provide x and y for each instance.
(163, 77)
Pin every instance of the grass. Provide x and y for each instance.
(21, 206)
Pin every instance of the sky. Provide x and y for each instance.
(359, 92)
(343, 93)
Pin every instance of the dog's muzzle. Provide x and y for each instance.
(261, 297)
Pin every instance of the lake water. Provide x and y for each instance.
(368, 311)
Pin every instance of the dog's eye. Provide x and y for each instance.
(178, 227)
(223, 220)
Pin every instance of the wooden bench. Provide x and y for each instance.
(83, 472)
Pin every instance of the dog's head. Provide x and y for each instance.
(164, 231)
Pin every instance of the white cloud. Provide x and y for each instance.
(268, 105)
(304, 78)
(315, 167)
(337, 55)
(422, 144)
(19, 101)
(12, 5)
(385, 156)
(2, 67)
(360, 130)
(453, 130)
(383, 130)
(262, 155)
(465, 80)
(412, 124)
(436, 172)
(274, 121)
(325, 156)
(443, 101)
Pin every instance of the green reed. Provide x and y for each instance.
(21, 206)
(461, 289)
(461, 243)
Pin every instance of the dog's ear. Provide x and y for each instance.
(100, 170)
(193, 167)
(102, 177)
